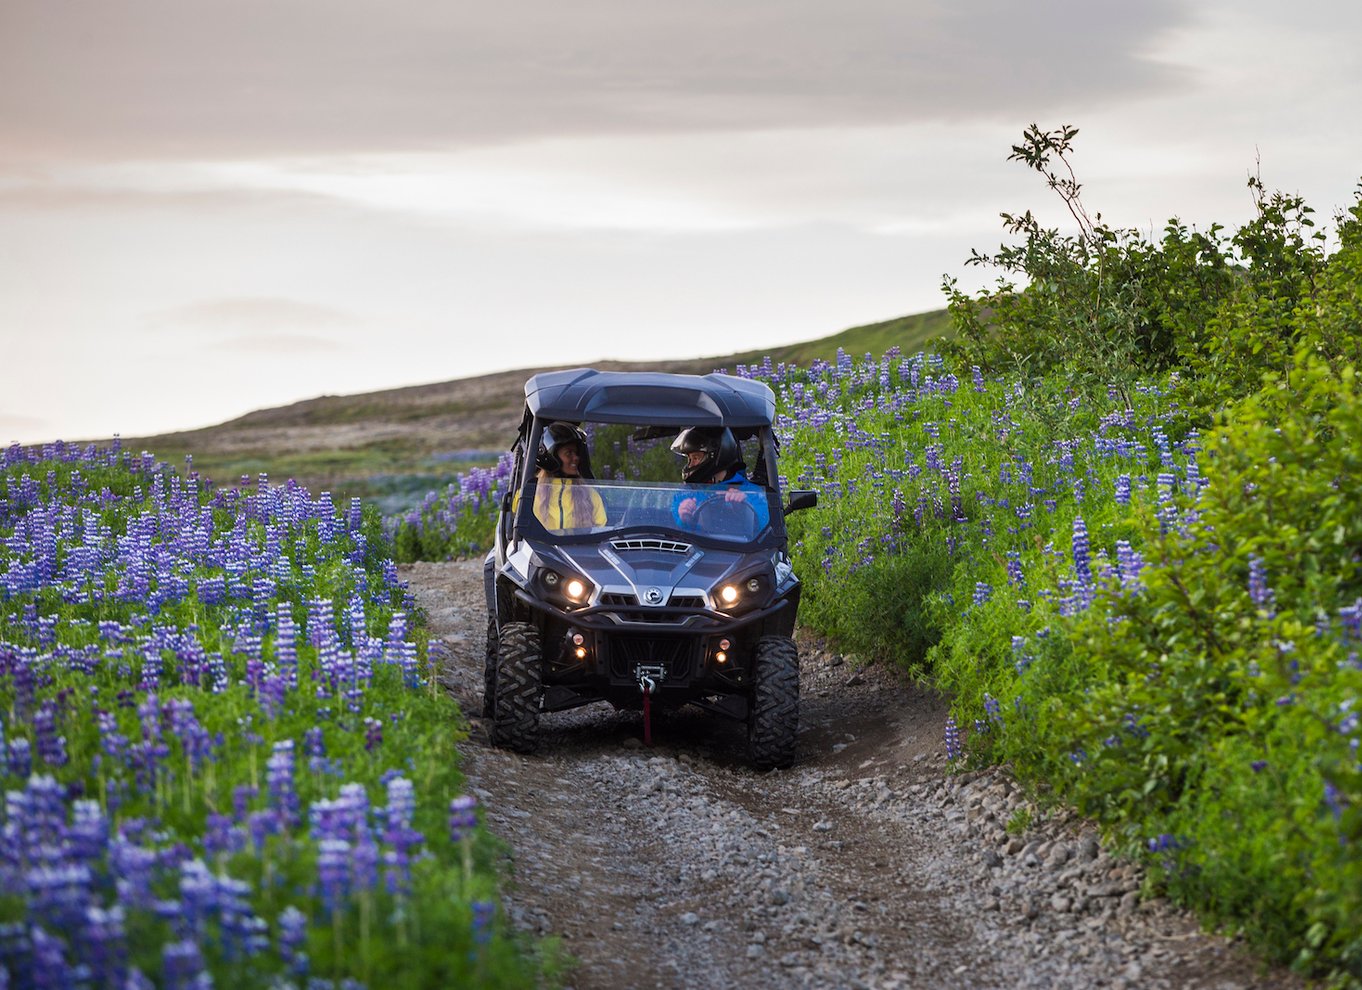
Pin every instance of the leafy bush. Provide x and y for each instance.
(1212, 717)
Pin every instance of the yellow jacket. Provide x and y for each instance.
(567, 503)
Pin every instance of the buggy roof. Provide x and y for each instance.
(652, 397)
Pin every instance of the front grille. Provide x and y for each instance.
(686, 601)
(627, 601)
(666, 546)
(626, 652)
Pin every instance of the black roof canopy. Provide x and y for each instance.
(652, 397)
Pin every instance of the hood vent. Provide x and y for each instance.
(666, 546)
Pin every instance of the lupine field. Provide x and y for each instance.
(223, 759)
(1127, 539)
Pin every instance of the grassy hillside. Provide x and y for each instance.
(395, 445)
(908, 333)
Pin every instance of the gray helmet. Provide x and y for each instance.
(721, 449)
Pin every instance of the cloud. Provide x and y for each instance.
(255, 78)
(255, 323)
(279, 345)
(91, 192)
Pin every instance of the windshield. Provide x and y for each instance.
(566, 511)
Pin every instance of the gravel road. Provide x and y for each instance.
(866, 865)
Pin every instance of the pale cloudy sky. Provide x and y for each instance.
(210, 206)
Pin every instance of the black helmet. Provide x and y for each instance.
(553, 438)
(722, 452)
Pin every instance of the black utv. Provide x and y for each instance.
(640, 588)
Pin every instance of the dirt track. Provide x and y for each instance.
(867, 865)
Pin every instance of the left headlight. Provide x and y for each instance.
(566, 586)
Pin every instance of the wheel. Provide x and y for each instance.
(773, 719)
(489, 670)
(515, 717)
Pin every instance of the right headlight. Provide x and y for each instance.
(747, 592)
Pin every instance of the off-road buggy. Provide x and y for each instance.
(646, 610)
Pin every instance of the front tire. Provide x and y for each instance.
(773, 720)
(519, 688)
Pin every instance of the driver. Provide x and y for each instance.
(562, 500)
(713, 457)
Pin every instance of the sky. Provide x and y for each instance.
(214, 206)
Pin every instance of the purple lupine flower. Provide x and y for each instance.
(364, 860)
(1259, 593)
(1128, 566)
(982, 592)
(293, 941)
(49, 969)
(463, 817)
(398, 833)
(286, 645)
(244, 935)
(88, 833)
(1082, 560)
(484, 913)
(402, 652)
(182, 967)
(1015, 577)
(954, 748)
(21, 757)
(373, 733)
(279, 778)
(198, 901)
(333, 859)
(194, 739)
(59, 894)
(103, 941)
(51, 746)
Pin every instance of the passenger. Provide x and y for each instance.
(562, 500)
(713, 457)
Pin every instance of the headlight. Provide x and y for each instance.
(745, 593)
(577, 591)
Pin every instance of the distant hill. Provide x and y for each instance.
(393, 446)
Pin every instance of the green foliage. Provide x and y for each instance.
(1227, 308)
(1096, 303)
(1211, 716)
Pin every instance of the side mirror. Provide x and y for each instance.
(801, 500)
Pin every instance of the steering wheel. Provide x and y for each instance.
(717, 514)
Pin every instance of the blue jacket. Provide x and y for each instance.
(755, 495)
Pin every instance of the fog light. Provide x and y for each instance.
(575, 588)
(578, 639)
(754, 585)
(729, 594)
(721, 657)
(581, 653)
(550, 578)
(724, 644)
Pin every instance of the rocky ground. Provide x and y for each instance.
(868, 864)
